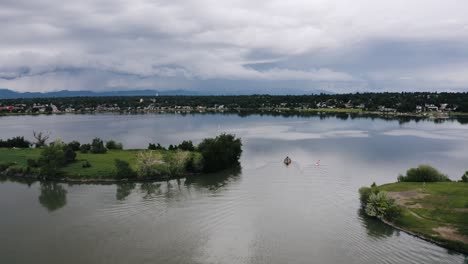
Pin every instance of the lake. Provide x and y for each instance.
(264, 212)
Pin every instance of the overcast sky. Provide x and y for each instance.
(335, 45)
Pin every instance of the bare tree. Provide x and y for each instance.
(41, 138)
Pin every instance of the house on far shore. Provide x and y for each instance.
(431, 107)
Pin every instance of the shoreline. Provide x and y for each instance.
(440, 243)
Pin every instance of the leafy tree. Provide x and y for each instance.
(221, 152)
(123, 169)
(111, 144)
(152, 146)
(97, 146)
(85, 148)
(74, 145)
(186, 145)
(423, 173)
(52, 158)
(464, 178)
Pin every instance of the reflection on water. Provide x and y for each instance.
(150, 189)
(374, 227)
(215, 181)
(124, 190)
(53, 196)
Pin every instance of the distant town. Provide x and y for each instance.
(386, 103)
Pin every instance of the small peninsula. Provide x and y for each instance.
(423, 203)
(101, 161)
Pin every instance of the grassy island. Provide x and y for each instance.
(108, 161)
(435, 209)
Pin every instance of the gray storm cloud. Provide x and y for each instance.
(344, 46)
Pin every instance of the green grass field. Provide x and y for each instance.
(430, 206)
(102, 165)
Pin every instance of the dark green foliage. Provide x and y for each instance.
(74, 145)
(16, 142)
(171, 147)
(152, 146)
(195, 163)
(221, 152)
(32, 163)
(123, 170)
(377, 204)
(364, 193)
(465, 177)
(111, 144)
(4, 166)
(86, 164)
(97, 146)
(423, 173)
(85, 148)
(70, 154)
(52, 158)
(186, 145)
(381, 206)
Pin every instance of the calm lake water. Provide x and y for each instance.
(263, 213)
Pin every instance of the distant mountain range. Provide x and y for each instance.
(9, 94)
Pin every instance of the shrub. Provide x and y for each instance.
(147, 163)
(86, 164)
(364, 193)
(221, 152)
(85, 148)
(195, 162)
(111, 144)
(70, 154)
(123, 169)
(464, 178)
(97, 146)
(5, 166)
(32, 163)
(16, 142)
(423, 173)
(52, 158)
(176, 163)
(186, 145)
(74, 145)
(381, 206)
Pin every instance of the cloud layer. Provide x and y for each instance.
(338, 45)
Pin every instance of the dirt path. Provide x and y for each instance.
(450, 233)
